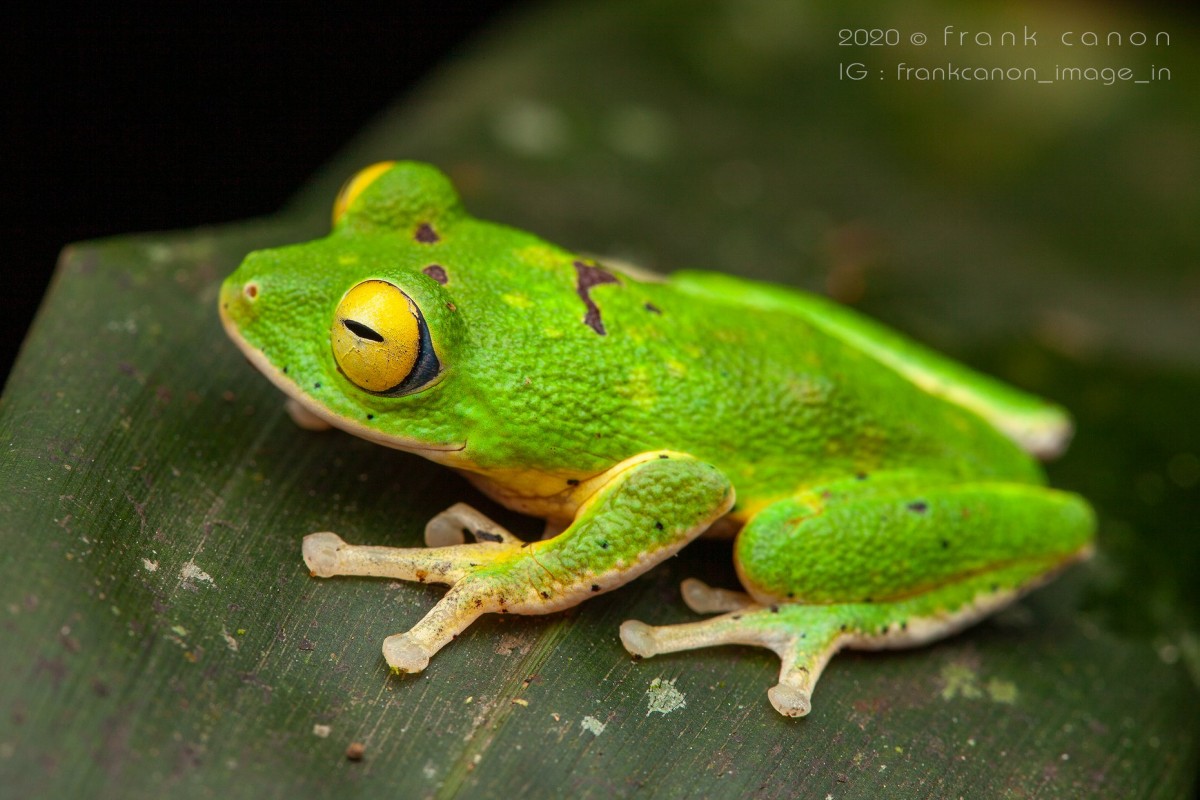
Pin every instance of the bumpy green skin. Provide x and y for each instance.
(872, 476)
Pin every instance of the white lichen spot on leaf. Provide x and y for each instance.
(191, 574)
(962, 680)
(663, 697)
(1002, 691)
(592, 725)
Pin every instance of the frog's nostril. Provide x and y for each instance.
(250, 290)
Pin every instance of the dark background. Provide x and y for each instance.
(137, 119)
(128, 120)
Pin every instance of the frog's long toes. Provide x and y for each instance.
(403, 654)
(460, 521)
(705, 599)
(320, 552)
(639, 638)
(791, 701)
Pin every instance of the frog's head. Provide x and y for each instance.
(358, 327)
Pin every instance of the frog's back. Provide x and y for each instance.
(1037, 426)
(594, 363)
(794, 390)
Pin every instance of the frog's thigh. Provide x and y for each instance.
(884, 566)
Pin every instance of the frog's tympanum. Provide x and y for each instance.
(879, 494)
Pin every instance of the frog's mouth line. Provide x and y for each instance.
(292, 390)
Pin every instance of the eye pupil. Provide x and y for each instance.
(362, 331)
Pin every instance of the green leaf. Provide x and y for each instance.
(162, 636)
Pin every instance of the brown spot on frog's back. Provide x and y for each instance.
(586, 277)
(438, 273)
(425, 234)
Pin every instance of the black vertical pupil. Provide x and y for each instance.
(362, 331)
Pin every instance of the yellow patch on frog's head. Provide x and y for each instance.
(352, 188)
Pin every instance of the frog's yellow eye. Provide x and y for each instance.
(380, 340)
(352, 188)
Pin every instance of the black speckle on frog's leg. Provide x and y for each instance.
(595, 587)
(438, 273)
(653, 309)
(425, 234)
(488, 536)
(587, 276)
(945, 544)
(603, 545)
(918, 506)
(572, 481)
(285, 370)
(317, 385)
(658, 526)
(861, 476)
(370, 416)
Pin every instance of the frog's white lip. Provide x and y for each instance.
(293, 391)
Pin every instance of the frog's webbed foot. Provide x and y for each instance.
(473, 571)
(803, 644)
(635, 515)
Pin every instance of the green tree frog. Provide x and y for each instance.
(879, 494)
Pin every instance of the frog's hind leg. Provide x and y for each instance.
(805, 637)
(880, 566)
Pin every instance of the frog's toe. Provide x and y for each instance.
(303, 418)
(404, 654)
(459, 521)
(638, 638)
(704, 599)
(320, 552)
(791, 701)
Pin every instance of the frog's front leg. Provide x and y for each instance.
(642, 511)
(893, 563)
